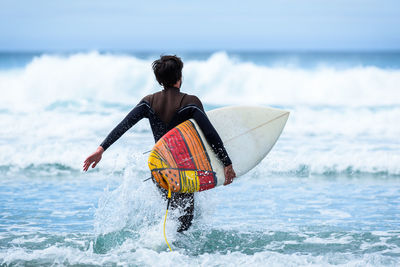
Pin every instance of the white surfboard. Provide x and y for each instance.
(248, 133)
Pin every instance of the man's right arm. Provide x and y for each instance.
(139, 112)
(136, 114)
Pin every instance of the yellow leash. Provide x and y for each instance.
(166, 212)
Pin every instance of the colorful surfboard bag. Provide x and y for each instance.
(180, 159)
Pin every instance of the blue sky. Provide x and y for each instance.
(199, 25)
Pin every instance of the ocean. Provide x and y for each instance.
(328, 194)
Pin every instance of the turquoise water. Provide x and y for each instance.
(258, 220)
(326, 195)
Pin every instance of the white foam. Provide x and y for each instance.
(133, 204)
(329, 240)
(218, 80)
(23, 240)
(58, 109)
(127, 255)
(352, 140)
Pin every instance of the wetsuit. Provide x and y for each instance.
(165, 110)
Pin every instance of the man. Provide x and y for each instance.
(165, 110)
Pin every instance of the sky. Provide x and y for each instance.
(194, 25)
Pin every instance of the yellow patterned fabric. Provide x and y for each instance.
(180, 157)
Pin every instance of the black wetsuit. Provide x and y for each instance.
(165, 110)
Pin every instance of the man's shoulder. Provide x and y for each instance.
(149, 98)
(191, 100)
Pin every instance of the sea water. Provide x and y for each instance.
(326, 195)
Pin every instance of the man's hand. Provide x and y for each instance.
(94, 158)
(229, 174)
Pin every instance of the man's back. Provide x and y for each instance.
(167, 102)
(168, 108)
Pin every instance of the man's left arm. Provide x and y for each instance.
(196, 111)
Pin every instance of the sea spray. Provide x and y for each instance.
(326, 195)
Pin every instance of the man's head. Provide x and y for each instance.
(168, 70)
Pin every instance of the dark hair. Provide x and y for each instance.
(168, 70)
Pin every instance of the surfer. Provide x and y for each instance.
(165, 110)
